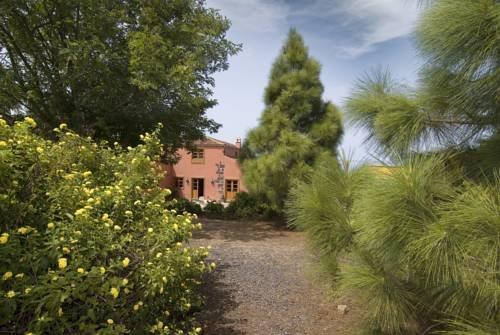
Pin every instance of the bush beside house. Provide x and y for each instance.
(86, 243)
(245, 205)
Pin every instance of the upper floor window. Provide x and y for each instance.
(198, 156)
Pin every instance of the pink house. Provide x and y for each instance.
(210, 171)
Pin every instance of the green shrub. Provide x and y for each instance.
(86, 244)
(251, 206)
(214, 209)
(182, 205)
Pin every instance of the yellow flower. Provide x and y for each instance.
(213, 265)
(39, 150)
(80, 211)
(160, 325)
(110, 321)
(117, 227)
(80, 270)
(128, 213)
(62, 263)
(66, 250)
(20, 275)
(30, 121)
(150, 230)
(87, 173)
(23, 230)
(105, 217)
(4, 238)
(11, 294)
(63, 125)
(7, 275)
(3, 144)
(175, 227)
(69, 176)
(107, 192)
(114, 292)
(102, 270)
(28, 290)
(51, 225)
(60, 312)
(30, 333)
(197, 330)
(125, 281)
(125, 262)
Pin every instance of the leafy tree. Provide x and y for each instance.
(112, 69)
(295, 128)
(423, 237)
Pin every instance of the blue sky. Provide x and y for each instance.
(348, 37)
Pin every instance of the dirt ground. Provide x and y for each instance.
(263, 284)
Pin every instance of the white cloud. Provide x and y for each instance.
(351, 27)
(379, 21)
(258, 16)
(365, 23)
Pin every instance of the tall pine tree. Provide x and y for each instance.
(296, 127)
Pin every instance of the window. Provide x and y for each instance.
(231, 185)
(179, 182)
(198, 156)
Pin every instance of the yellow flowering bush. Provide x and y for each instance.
(86, 243)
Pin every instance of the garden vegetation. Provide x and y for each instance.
(86, 244)
(419, 241)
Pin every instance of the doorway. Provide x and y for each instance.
(232, 187)
(197, 188)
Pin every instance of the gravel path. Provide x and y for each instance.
(262, 285)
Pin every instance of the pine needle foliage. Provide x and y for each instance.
(424, 234)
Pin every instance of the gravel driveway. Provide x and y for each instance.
(263, 285)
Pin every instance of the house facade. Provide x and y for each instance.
(209, 172)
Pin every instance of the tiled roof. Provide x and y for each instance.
(212, 142)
